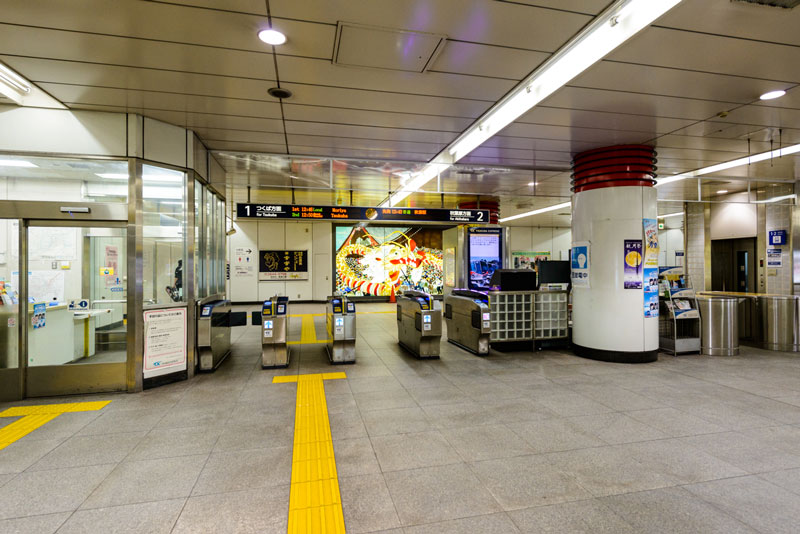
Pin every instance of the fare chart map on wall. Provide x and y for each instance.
(382, 261)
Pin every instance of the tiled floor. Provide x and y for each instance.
(514, 442)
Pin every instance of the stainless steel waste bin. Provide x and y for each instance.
(779, 316)
(720, 326)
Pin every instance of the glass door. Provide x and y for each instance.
(10, 374)
(76, 307)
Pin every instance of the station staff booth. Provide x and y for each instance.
(109, 233)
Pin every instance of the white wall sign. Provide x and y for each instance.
(774, 258)
(164, 341)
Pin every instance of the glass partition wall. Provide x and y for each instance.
(210, 241)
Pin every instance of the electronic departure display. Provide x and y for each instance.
(357, 213)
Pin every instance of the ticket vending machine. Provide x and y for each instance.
(419, 324)
(274, 324)
(341, 324)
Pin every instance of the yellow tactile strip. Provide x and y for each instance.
(32, 417)
(315, 504)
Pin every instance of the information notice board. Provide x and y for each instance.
(164, 342)
(359, 213)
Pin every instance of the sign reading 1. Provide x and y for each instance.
(357, 213)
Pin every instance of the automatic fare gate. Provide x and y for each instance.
(419, 325)
(274, 324)
(340, 315)
(468, 320)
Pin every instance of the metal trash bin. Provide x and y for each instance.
(779, 326)
(719, 326)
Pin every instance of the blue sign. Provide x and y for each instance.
(777, 237)
(39, 315)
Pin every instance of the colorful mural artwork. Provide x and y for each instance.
(383, 261)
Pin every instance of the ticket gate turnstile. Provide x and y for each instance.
(340, 315)
(419, 324)
(274, 325)
(468, 320)
(213, 332)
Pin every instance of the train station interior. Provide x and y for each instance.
(399, 266)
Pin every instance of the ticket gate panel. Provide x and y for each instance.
(340, 321)
(275, 351)
(213, 342)
(419, 324)
(467, 315)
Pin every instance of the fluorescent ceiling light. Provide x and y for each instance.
(536, 212)
(618, 23)
(13, 85)
(775, 199)
(671, 215)
(773, 95)
(531, 183)
(16, 163)
(731, 164)
(112, 175)
(722, 191)
(272, 37)
(420, 178)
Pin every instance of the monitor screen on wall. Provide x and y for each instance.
(485, 256)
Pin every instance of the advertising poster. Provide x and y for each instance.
(579, 270)
(112, 262)
(164, 341)
(450, 267)
(283, 265)
(384, 260)
(39, 315)
(485, 256)
(774, 258)
(632, 258)
(527, 260)
(650, 273)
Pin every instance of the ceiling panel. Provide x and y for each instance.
(364, 144)
(258, 7)
(238, 135)
(603, 119)
(382, 153)
(590, 7)
(483, 60)
(362, 117)
(366, 132)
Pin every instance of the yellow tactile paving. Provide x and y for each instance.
(315, 504)
(35, 416)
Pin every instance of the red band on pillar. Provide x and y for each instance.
(614, 166)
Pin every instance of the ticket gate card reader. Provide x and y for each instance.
(468, 319)
(419, 324)
(341, 325)
(274, 324)
(213, 332)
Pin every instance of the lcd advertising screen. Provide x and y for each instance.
(485, 256)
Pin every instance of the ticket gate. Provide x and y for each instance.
(468, 320)
(419, 324)
(274, 324)
(213, 332)
(340, 315)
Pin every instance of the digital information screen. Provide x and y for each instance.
(357, 213)
(485, 256)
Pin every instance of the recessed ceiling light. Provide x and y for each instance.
(272, 37)
(773, 94)
(531, 183)
(16, 163)
(722, 191)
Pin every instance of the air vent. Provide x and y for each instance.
(385, 48)
(785, 4)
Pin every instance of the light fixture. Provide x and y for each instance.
(16, 163)
(272, 37)
(773, 95)
(13, 85)
(775, 199)
(536, 212)
(671, 215)
(618, 23)
(112, 175)
(531, 183)
(419, 179)
(722, 191)
(731, 164)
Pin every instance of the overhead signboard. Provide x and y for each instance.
(358, 213)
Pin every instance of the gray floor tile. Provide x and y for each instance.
(36, 524)
(618, 398)
(438, 395)
(47, 492)
(485, 524)
(744, 451)
(552, 435)
(396, 421)
(397, 452)
(355, 457)
(22, 454)
(147, 480)
(345, 402)
(486, 442)
(143, 518)
(234, 438)
(616, 428)
(784, 437)
(381, 383)
(788, 479)
(64, 426)
(258, 511)
(568, 404)
(122, 421)
(458, 415)
(90, 450)
(525, 481)
(241, 470)
(580, 517)
(753, 501)
(168, 442)
(438, 493)
(675, 423)
(366, 504)
(384, 400)
(6, 478)
(347, 425)
(673, 510)
(517, 410)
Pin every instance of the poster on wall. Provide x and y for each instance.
(580, 265)
(527, 260)
(384, 260)
(774, 258)
(164, 342)
(282, 265)
(112, 261)
(485, 256)
(38, 319)
(650, 272)
(632, 258)
(450, 267)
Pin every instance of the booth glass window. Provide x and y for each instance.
(163, 235)
(200, 287)
(220, 238)
(65, 179)
(9, 293)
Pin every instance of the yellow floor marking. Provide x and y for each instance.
(307, 332)
(35, 416)
(315, 504)
(308, 315)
